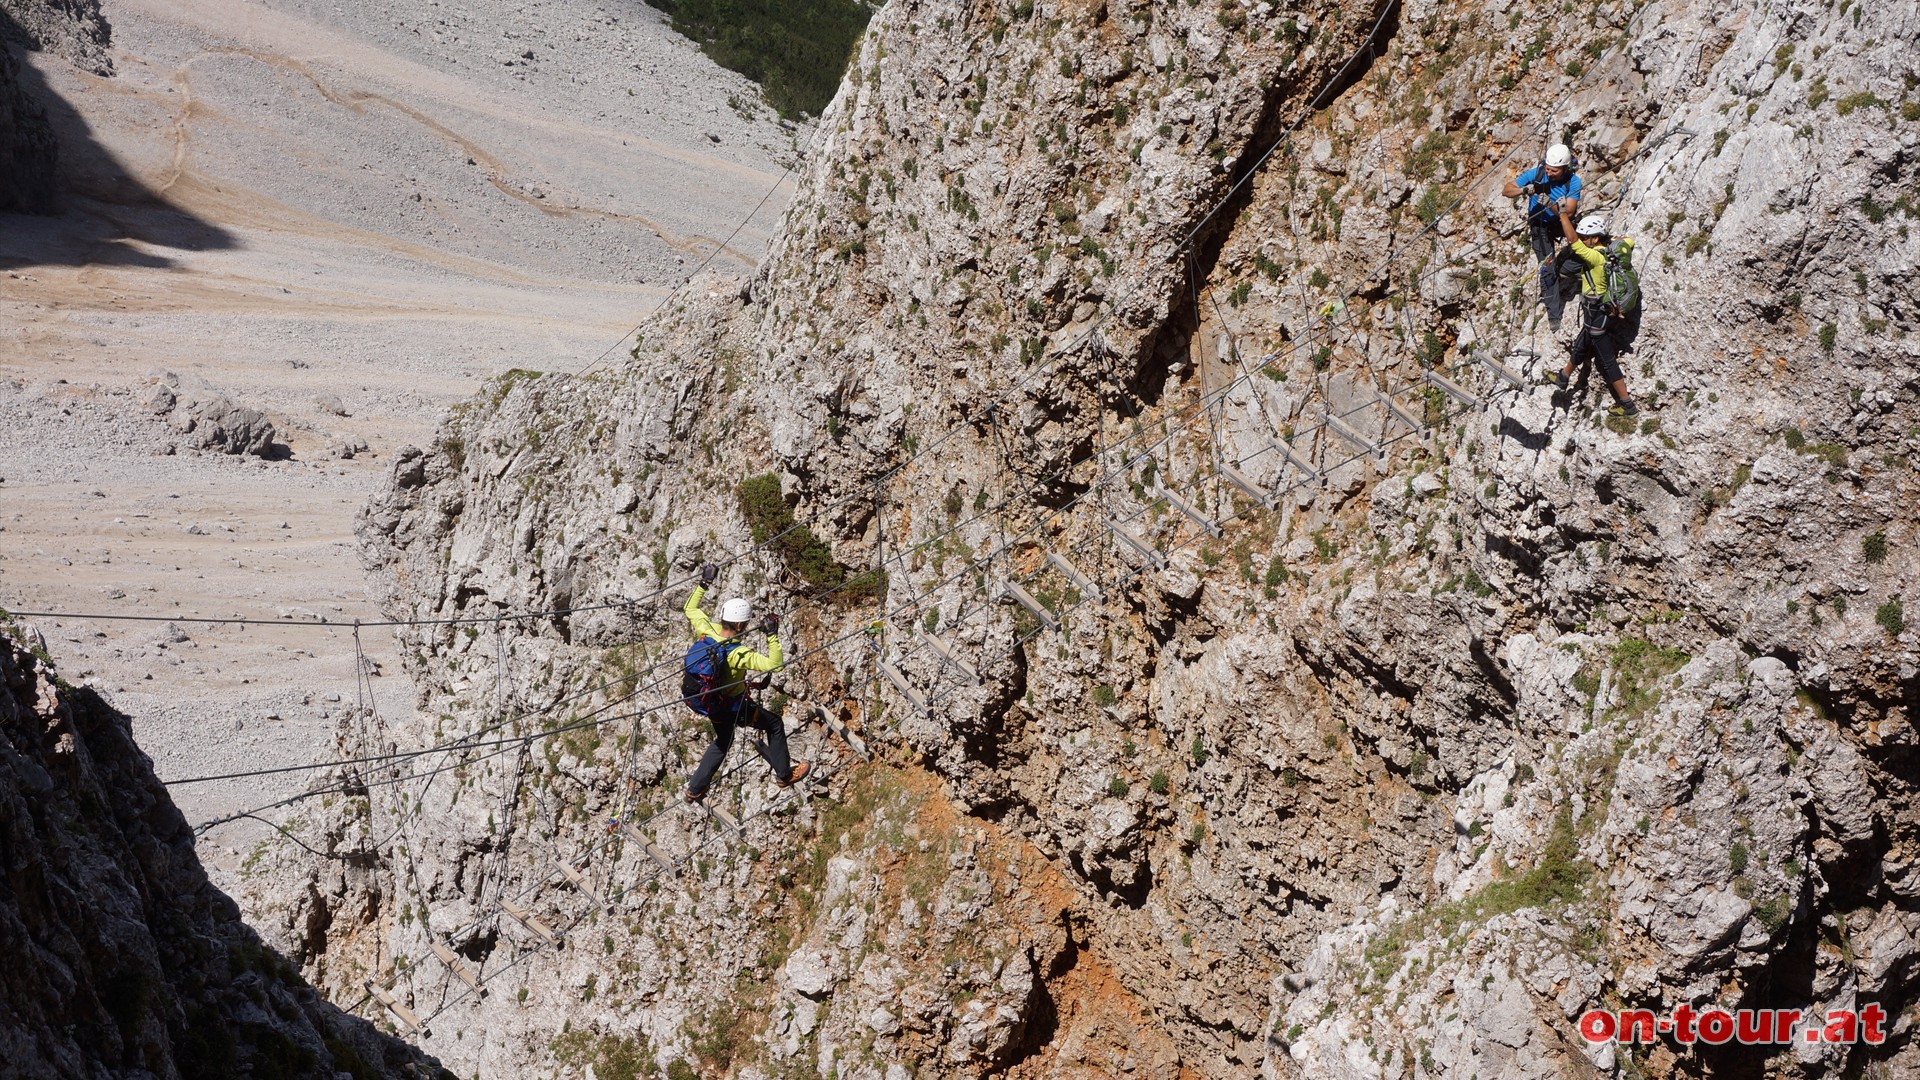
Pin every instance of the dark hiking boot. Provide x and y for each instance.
(1626, 408)
(695, 796)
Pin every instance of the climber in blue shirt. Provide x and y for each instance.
(1547, 185)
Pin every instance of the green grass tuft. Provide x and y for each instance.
(1639, 667)
(804, 552)
(1874, 547)
(1891, 617)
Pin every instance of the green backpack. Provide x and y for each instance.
(1622, 292)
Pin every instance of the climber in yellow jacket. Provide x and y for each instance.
(714, 683)
(1609, 302)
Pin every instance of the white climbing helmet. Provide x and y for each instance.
(737, 610)
(1591, 225)
(1559, 156)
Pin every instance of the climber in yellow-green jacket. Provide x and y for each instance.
(1609, 303)
(713, 683)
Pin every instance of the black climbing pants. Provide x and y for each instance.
(745, 712)
(1545, 238)
(1603, 339)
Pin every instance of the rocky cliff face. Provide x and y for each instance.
(74, 30)
(122, 960)
(1533, 710)
(26, 145)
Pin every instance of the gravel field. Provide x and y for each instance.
(344, 215)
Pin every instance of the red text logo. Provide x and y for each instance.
(1749, 1027)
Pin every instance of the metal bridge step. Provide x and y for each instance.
(1349, 435)
(948, 657)
(1191, 511)
(531, 921)
(1294, 459)
(400, 1012)
(1245, 484)
(727, 821)
(1452, 389)
(1501, 370)
(1068, 571)
(1398, 412)
(463, 970)
(845, 734)
(905, 688)
(1140, 547)
(1026, 600)
(628, 830)
(579, 881)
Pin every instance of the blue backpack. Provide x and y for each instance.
(703, 673)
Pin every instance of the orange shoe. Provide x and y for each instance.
(799, 773)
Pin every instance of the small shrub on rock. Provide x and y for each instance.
(1891, 617)
(1874, 547)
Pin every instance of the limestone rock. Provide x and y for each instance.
(1502, 709)
(213, 420)
(118, 947)
(811, 972)
(221, 425)
(74, 30)
(27, 147)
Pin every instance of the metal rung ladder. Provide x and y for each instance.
(531, 921)
(1146, 551)
(948, 657)
(1294, 459)
(905, 688)
(1501, 370)
(1025, 599)
(1399, 412)
(845, 734)
(1191, 511)
(1245, 483)
(1452, 389)
(579, 881)
(1349, 435)
(1068, 571)
(727, 821)
(400, 1012)
(628, 830)
(463, 970)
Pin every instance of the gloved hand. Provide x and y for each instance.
(770, 625)
(1530, 189)
(708, 571)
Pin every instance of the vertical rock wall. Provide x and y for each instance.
(122, 959)
(74, 30)
(1398, 773)
(77, 31)
(27, 148)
